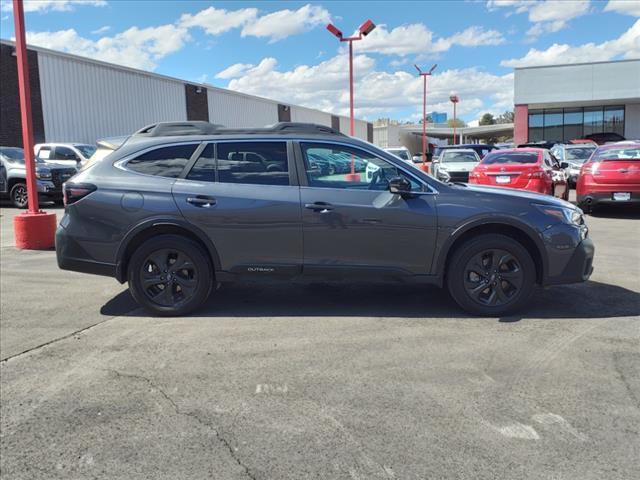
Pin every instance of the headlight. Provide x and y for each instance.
(43, 174)
(443, 175)
(572, 216)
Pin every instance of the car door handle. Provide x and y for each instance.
(201, 201)
(322, 207)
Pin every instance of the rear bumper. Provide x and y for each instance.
(71, 256)
(579, 267)
(602, 198)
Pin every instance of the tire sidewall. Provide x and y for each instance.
(12, 195)
(194, 251)
(455, 274)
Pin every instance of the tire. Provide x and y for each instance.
(18, 195)
(508, 288)
(161, 288)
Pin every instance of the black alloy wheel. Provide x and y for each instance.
(491, 274)
(493, 277)
(170, 275)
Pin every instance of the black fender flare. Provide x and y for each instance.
(158, 223)
(497, 220)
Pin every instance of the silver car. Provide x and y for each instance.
(454, 165)
(574, 155)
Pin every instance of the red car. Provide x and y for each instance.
(611, 175)
(532, 169)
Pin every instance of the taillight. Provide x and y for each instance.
(590, 169)
(535, 174)
(475, 174)
(75, 191)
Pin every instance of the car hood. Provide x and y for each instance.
(458, 166)
(519, 194)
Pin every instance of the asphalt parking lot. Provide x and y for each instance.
(320, 381)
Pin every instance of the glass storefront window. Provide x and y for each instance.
(614, 120)
(553, 125)
(536, 124)
(572, 123)
(593, 120)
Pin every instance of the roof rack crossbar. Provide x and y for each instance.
(163, 129)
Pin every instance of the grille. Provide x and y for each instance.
(459, 176)
(59, 176)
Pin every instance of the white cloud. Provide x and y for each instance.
(48, 5)
(135, 47)
(275, 25)
(377, 93)
(284, 23)
(100, 30)
(417, 38)
(625, 46)
(547, 16)
(216, 21)
(234, 71)
(624, 7)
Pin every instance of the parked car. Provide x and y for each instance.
(480, 148)
(69, 154)
(159, 214)
(532, 169)
(605, 137)
(574, 155)
(610, 176)
(13, 174)
(402, 153)
(454, 164)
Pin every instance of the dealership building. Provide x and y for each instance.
(564, 102)
(78, 99)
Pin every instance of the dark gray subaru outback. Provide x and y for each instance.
(181, 207)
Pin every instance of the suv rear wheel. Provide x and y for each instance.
(491, 275)
(18, 195)
(170, 275)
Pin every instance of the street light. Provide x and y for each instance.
(454, 99)
(424, 76)
(365, 29)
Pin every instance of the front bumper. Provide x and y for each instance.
(579, 267)
(47, 189)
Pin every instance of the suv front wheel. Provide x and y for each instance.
(170, 275)
(491, 275)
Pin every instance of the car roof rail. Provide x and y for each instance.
(166, 129)
(163, 129)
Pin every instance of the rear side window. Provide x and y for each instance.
(258, 163)
(164, 161)
(496, 157)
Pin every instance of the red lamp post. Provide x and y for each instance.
(365, 29)
(34, 229)
(454, 99)
(424, 76)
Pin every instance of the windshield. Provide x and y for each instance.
(13, 153)
(459, 157)
(86, 150)
(496, 158)
(631, 153)
(578, 154)
(403, 154)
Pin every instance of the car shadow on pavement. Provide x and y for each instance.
(623, 212)
(587, 300)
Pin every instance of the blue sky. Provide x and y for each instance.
(281, 50)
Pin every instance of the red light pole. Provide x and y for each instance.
(34, 229)
(365, 29)
(454, 99)
(424, 76)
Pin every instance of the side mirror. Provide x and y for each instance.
(435, 159)
(564, 165)
(399, 186)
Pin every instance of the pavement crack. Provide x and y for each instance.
(55, 340)
(192, 415)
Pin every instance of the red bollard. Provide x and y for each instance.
(35, 231)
